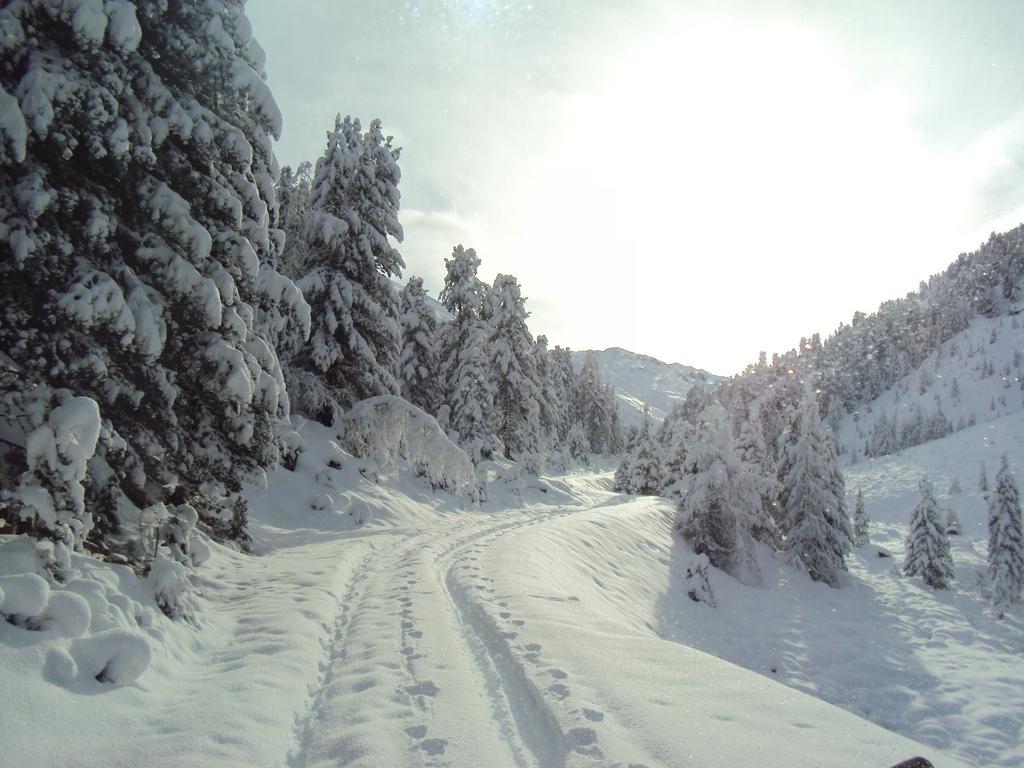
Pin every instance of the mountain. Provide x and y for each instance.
(641, 380)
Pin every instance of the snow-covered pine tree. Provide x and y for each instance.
(720, 500)
(861, 522)
(639, 471)
(621, 478)
(752, 450)
(355, 342)
(927, 545)
(983, 484)
(1005, 539)
(552, 411)
(512, 370)
(417, 364)
(294, 192)
(594, 408)
(577, 443)
(468, 410)
(676, 434)
(136, 191)
(617, 437)
(563, 381)
(814, 521)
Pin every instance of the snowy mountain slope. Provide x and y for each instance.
(974, 377)
(535, 630)
(640, 381)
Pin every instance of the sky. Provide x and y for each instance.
(697, 181)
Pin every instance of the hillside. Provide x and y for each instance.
(973, 378)
(642, 381)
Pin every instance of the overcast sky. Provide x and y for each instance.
(697, 181)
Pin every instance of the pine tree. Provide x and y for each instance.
(552, 412)
(927, 546)
(639, 471)
(1005, 539)
(294, 192)
(861, 522)
(577, 443)
(752, 450)
(814, 520)
(417, 364)
(136, 198)
(355, 342)
(563, 382)
(594, 408)
(468, 410)
(510, 347)
(677, 434)
(720, 502)
(983, 484)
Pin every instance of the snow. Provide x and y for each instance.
(550, 625)
(67, 613)
(25, 595)
(123, 30)
(88, 21)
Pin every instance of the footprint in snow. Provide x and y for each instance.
(559, 691)
(593, 715)
(557, 674)
(434, 747)
(427, 688)
(416, 731)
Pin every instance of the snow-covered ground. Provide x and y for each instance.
(548, 626)
(641, 381)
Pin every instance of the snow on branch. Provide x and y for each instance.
(387, 428)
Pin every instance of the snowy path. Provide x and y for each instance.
(527, 635)
(398, 669)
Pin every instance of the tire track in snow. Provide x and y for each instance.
(521, 708)
(334, 651)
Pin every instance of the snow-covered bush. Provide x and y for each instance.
(387, 428)
(115, 657)
(25, 596)
(50, 496)
(291, 448)
(697, 585)
(171, 587)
